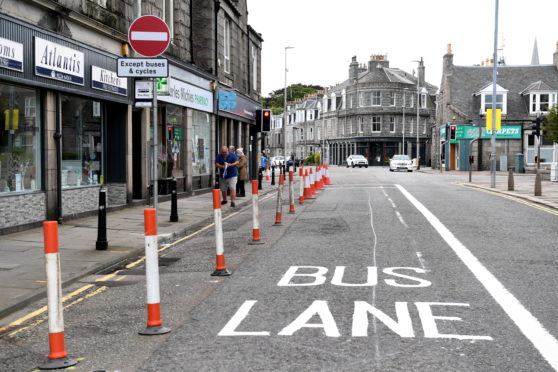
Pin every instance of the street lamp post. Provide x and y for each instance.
(285, 109)
(494, 103)
(418, 108)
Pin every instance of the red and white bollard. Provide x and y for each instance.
(291, 193)
(154, 322)
(319, 185)
(220, 267)
(58, 357)
(255, 215)
(278, 211)
(322, 173)
(327, 179)
(267, 177)
(308, 186)
(302, 181)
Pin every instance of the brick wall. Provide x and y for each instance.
(22, 209)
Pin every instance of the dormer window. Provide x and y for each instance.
(541, 101)
(487, 101)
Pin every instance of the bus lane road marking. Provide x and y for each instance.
(531, 328)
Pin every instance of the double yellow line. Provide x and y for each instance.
(99, 290)
(510, 197)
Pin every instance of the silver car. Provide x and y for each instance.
(357, 161)
(401, 162)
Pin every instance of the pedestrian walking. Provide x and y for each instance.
(227, 163)
(242, 173)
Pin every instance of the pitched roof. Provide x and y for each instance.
(537, 86)
(467, 80)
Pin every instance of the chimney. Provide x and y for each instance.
(353, 69)
(421, 72)
(448, 61)
(556, 57)
(377, 61)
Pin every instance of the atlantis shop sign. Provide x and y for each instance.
(58, 62)
(11, 55)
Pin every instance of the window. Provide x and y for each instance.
(391, 123)
(201, 139)
(319, 133)
(392, 99)
(311, 134)
(376, 124)
(361, 99)
(344, 100)
(351, 103)
(227, 45)
(360, 125)
(376, 98)
(302, 134)
(168, 16)
(82, 144)
(411, 100)
(424, 128)
(411, 125)
(423, 100)
(542, 102)
(20, 140)
(254, 68)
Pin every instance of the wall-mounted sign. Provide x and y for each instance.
(469, 132)
(55, 61)
(144, 89)
(184, 94)
(233, 103)
(108, 81)
(142, 67)
(11, 55)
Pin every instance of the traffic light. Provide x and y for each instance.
(536, 127)
(453, 129)
(170, 135)
(263, 120)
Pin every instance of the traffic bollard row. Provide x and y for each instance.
(278, 210)
(220, 267)
(256, 239)
(291, 192)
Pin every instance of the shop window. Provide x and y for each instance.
(172, 165)
(82, 142)
(201, 141)
(20, 151)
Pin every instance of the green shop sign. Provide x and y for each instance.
(178, 133)
(469, 132)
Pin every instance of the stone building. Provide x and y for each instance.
(522, 93)
(70, 125)
(373, 113)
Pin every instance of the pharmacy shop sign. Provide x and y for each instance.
(55, 61)
(11, 55)
(108, 81)
(184, 94)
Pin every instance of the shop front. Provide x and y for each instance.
(58, 145)
(185, 121)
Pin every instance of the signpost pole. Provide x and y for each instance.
(155, 150)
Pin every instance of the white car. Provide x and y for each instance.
(357, 160)
(401, 162)
(277, 160)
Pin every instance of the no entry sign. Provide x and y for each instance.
(149, 36)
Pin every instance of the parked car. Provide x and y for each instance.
(277, 160)
(401, 162)
(357, 160)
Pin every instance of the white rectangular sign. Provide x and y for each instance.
(143, 67)
(144, 89)
(55, 61)
(184, 94)
(108, 81)
(11, 55)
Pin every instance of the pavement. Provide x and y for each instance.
(524, 185)
(22, 273)
(22, 260)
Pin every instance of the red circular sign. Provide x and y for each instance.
(149, 36)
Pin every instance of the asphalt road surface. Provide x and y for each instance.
(383, 271)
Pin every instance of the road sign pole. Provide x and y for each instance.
(155, 151)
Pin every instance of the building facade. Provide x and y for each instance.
(70, 125)
(377, 112)
(523, 92)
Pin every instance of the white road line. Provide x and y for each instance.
(374, 322)
(395, 208)
(401, 219)
(421, 260)
(543, 341)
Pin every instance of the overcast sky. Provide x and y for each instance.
(327, 33)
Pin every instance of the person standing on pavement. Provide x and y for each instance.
(227, 163)
(242, 173)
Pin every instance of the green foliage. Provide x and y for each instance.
(309, 159)
(551, 125)
(276, 99)
(316, 158)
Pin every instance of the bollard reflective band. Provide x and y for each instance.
(254, 187)
(282, 179)
(291, 176)
(216, 199)
(149, 216)
(50, 230)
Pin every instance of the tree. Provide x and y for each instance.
(276, 99)
(551, 125)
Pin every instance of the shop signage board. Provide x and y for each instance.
(108, 81)
(11, 55)
(506, 132)
(55, 61)
(231, 102)
(142, 67)
(144, 89)
(184, 94)
(149, 36)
